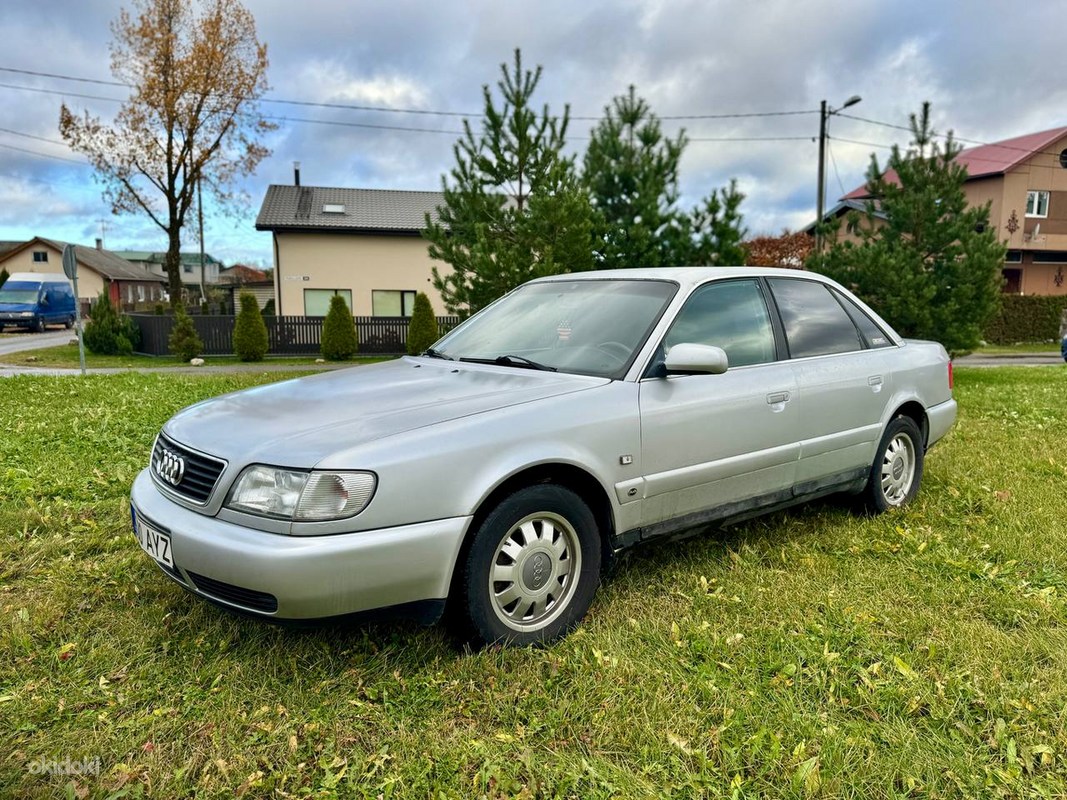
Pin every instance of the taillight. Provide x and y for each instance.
(951, 382)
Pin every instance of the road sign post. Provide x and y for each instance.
(70, 268)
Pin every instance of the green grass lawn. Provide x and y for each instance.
(812, 653)
(67, 356)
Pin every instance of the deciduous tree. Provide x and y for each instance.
(191, 116)
(788, 250)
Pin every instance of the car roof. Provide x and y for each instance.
(38, 277)
(687, 277)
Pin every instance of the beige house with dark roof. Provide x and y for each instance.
(363, 244)
(98, 270)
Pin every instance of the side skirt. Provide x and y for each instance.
(732, 513)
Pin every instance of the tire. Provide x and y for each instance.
(897, 469)
(68, 323)
(531, 569)
(37, 326)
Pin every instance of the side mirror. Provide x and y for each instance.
(696, 359)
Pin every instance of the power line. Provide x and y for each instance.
(394, 110)
(44, 155)
(32, 136)
(61, 94)
(865, 144)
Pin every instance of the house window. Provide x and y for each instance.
(40, 256)
(140, 292)
(1013, 257)
(333, 208)
(392, 303)
(317, 301)
(1037, 204)
(1050, 257)
(188, 269)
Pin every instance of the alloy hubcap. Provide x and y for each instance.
(898, 469)
(533, 572)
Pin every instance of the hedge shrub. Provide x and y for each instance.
(184, 342)
(1026, 318)
(250, 341)
(108, 332)
(338, 332)
(422, 329)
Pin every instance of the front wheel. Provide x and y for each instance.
(898, 467)
(531, 570)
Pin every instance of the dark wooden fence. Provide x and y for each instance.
(288, 336)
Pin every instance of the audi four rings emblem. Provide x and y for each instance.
(170, 467)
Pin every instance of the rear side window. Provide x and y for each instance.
(815, 323)
(727, 314)
(874, 335)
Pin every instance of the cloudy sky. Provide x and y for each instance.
(989, 68)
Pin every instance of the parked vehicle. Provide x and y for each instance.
(503, 468)
(33, 300)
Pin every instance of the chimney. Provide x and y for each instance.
(99, 244)
(296, 173)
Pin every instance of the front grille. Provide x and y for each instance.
(238, 595)
(198, 477)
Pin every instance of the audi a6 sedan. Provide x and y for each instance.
(502, 469)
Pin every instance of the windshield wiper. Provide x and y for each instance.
(508, 360)
(429, 352)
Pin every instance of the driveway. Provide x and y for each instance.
(32, 341)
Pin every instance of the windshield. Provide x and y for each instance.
(588, 327)
(18, 295)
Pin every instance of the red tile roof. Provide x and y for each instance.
(989, 159)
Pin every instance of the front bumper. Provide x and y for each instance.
(302, 577)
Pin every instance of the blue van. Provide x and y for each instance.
(33, 300)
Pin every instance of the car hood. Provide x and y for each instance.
(15, 307)
(299, 422)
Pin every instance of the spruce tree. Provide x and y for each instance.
(108, 332)
(925, 260)
(338, 332)
(718, 235)
(185, 343)
(514, 208)
(250, 341)
(422, 329)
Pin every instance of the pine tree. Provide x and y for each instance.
(718, 235)
(422, 329)
(250, 341)
(185, 343)
(338, 332)
(927, 262)
(4, 275)
(631, 173)
(514, 208)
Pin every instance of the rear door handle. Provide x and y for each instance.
(875, 382)
(778, 397)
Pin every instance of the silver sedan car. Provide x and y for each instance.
(502, 469)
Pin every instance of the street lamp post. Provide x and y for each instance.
(825, 112)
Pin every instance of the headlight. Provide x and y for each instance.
(302, 496)
(26, 314)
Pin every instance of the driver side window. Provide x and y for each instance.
(729, 314)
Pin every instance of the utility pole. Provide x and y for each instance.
(825, 112)
(200, 214)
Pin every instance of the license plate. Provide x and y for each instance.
(154, 543)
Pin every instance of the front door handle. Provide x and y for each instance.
(774, 398)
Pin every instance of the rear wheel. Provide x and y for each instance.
(898, 467)
(531, 570)
(68, 323)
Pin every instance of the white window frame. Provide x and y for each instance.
(1033, 201)
(40, 256)
(403, 295)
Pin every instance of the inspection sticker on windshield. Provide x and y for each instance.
(154, 543)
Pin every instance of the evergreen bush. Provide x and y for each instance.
(422, 329)
(1026, 318)
(108, 332)
(338, 332)
(160, 311)
(4, 275)
(268, 309)
(184, 342)
(250, 341)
